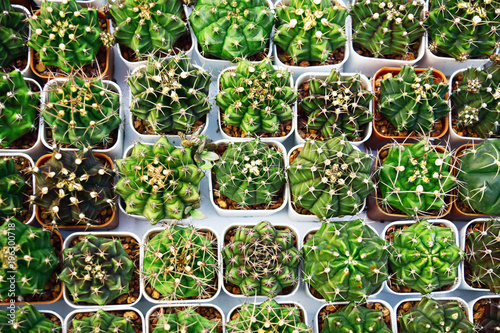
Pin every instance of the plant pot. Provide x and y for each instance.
(453, 287)
(115, 150)
(111, 224)
(162, 309)
(73, 240)
(475, 313)
(308, 76)
(138, 323)
(303, 312)
(259, 212)
(26, 70)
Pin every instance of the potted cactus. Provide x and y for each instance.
(28, 319)
(189, 319)
(334, 104)
(255, 100)
(485, 314)
(14, 34)
(125, 320)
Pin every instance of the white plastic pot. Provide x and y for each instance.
(68, 321)
(157, 307)
(473, 303)
(279, 139)
(295, 304)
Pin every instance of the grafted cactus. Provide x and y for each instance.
(26, 319)
(256, 98)
(185, 321)
(489, 322)
(12, 188)
(310, 30)
(13, 34)
(355, 318)
(102, 322)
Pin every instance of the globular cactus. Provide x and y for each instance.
(261, 260)
(388, 28)
(26, 319)
(337, 106)
(330, 178)
(267, 317)
(13, 34)
(103, 322)
(425, 257)
(232, 29)
(355, 318)
(489, 320)
(416, 179)
(74, 187)
(170, 95)
(181, 263)
(250, 173)
(81, 112)
(345, 261)
(13, 188)
(310, 30)
(256, 98)
(464, 29)
(185, 321)
(412, 101)
(26, 268)
(431, 316)
(148, 26)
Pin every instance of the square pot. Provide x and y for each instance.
(161, 308)
(476, 304)
(138, 323)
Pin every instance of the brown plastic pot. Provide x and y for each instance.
(378, 139)
(110, 225)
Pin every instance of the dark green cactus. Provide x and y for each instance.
(355, 318)
(431, 316)
(330, 178)
(490, 320)
(310, 30)
(170, 94)
(27, 266)
(13, 188)
(232, 29)
(261, 260)
(412, 101)
(13, 34)
(425, 257)
(26, 319)
(336, 106)
(185, 321)
(345, 261)
(148, 26)
(103, 322)
(256, 98)
(387, 28)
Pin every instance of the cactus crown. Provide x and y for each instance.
(256, 98)
(12, 188)
(103, 322)
(345, 261)
(27, 319)
(170, 95)
(185, 321)
(337, 106)
(490, 320)
(355, 318)
(13, 34)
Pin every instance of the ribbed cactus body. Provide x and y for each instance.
(12, 188)
(355, 318)
(490, 320)
(13, 29)
(185, 321)
(103, 322)
(26, 319)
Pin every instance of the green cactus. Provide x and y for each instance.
(336, 106)
(26, 319)
(355, 318)
(464, 29)
(103, 322)
(13, 34)
(412, 101)
(65, 35)
(489, 322)
(148, 26)
(185, 321)
(310, 30)
(387, 28)
(250, 173)
(431, 316)
(170, 95)
(330, 178)
(416, 179)
(74, 187)
(261, 260)
(181, 263)
(267, 317)
(345, 261)
(256, 98)
(81, 112)
(425, 257)
(28, 265)
(13, 188)
(232, 29)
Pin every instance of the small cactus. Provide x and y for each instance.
(489, 320)
(355, 318)
(13, 188)
(13, 34)
(26, 319)
(185, 321)
(102, 321)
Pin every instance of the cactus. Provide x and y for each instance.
(103, 322)
(267, 317)
(416, 179)
(330, 178)
(74, 187)
(250, 173)
(65, 35)
(27, 267)
(170, 94)
(26, 319)
(387, 28)
(81, 112)
(431, 316)
(337, 106)
(148, 26)
(12, 189)
(345, 261)
(489, 320)
(181, 262)
(232, 29)
(261, 260)
(355, 318)
(425, 257)
(185, 321)
(13, 32)
(310, 31)
(256, 98)
(464, 29)
(413, 102)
